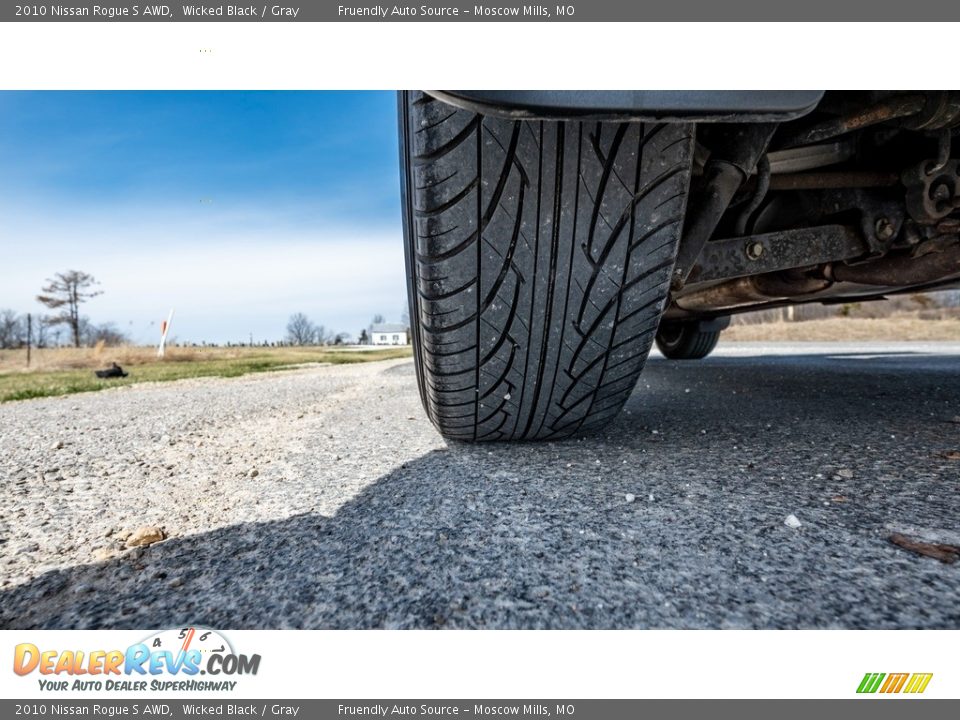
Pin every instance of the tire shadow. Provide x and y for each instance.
(672, 516)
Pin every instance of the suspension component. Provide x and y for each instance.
(893, 108)
(933, 186)
(728, 168)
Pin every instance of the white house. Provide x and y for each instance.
(388, 334)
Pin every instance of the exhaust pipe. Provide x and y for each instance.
(926, 267)
(751, 290)
(901, 270)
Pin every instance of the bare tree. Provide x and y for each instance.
(41, 332)
(12, 330)
(107, 333)
(300, 331)
(65, 292)
(322, 336)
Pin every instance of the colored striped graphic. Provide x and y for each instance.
(870, 683)
(894, 682)
(918, 682)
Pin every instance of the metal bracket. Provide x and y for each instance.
(771, 252)
(931, 196)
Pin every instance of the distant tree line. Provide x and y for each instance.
(46, 332)
(64, 293)
(301, 330)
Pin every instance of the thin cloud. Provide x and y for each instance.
(237, 209)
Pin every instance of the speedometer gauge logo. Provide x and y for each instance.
(182, 640)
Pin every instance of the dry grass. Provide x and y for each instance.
(898, 327)
(62, 371)
(49, 359)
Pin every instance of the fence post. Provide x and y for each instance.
(29, 335)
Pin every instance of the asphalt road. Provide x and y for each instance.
(321, 498)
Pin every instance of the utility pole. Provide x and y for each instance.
(29, 335)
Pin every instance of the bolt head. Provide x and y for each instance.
(885, 229)
(755, 250)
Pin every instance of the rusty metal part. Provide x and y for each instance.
(837, 180)
(936, 244)
(729, 166)
(893, 108)
(832, 295)
(941, 110)
(782, 250)
(932, 194)
(910, 269)
(751, 290)
(881, 218)
(878, 211)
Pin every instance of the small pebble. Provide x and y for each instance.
(146, 535)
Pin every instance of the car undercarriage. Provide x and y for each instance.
(854, 201)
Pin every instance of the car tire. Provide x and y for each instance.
(687, 340)
(539, 256)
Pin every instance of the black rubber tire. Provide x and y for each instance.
(539, 256)
(686, 340)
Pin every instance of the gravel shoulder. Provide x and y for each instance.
(322, 498)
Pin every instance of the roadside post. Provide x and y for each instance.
(164, 330)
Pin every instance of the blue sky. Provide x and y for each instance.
(236, 209)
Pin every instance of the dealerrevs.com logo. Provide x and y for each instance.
(167, 660)
(888, 683)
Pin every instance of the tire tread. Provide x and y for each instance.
(540, 255)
